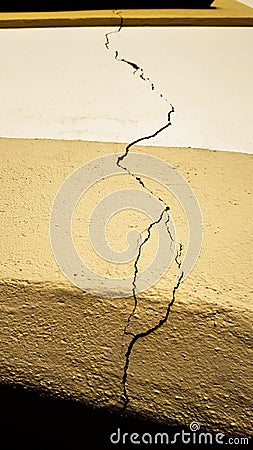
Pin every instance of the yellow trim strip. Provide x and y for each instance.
(224, 13)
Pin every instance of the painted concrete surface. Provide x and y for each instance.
(65, 84)
(58, 338)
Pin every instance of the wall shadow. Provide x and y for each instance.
(35, 420)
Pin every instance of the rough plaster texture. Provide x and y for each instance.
(57, 338)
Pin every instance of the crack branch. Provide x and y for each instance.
(178, 255)
(136, 266)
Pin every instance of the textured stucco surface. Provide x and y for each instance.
(58, 338)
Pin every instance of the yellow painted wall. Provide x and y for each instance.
(58, 338)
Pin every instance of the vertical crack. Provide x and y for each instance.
(138, 336)
(150, 136)
(135, 337)
(107, 40)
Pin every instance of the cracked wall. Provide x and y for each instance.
(126, 355)
(58, 339)
(120, 163)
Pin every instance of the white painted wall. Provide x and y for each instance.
(246, 2)
(64, 83)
